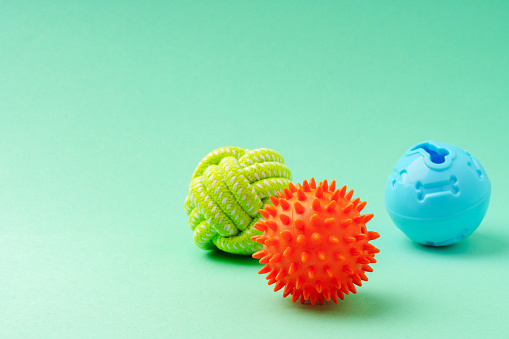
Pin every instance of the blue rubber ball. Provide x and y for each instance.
(437, 193)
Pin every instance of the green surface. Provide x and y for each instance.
(106, 109)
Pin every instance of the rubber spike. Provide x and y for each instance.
(285, 219)
(305, 186)
(348, 208)
(306, 293)
(276, 258)
(339, 257)
(299, 283)
(360, 236)
(367, 268)
(311, 272)
(319, 192)
(331, 206)
(330, 222)
(361, 206)
(293, 268)
(315, 220)
(265, 269)
(370, 248)
(359, 219)
(347, 269)
(288, 194)
(341, 295)
(334, 296)
(260, 226)
(279, 285)
(335, 196)
(301, 195)
(288, 252)
(368, 217)
(318, 286)
(325, 186)
(259, 239)
(275, 200)
(292, 187)
(299, 208)
(280, 194)
(333, 240)
(313, 298)
(355, 252)
(321, 255)
(320, 299)
(312, 183)
(295, 296)
(332, 186)
(349, 239)
(362, 260)
(356, 201)
(334, 281)
(272, 274)
(328, 271)
(286, 235)
(346, 222)
(363, 276)
(326, 294)
(284, 204)
(301, 240)
(342, 191)
(264, 213)
(349, 195)
(344, 288)
(299, 224)
(373, 235)
(265, 259)
(288, 289)
(271, 281)
(316, 205)
(272, 241)
(351, 287)
(316, 238)
(281, 275)
(304, 257)
(271, 224)
(260, 254)
(271, 209)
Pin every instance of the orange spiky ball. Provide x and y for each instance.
(315, 242)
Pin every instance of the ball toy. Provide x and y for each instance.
(227, 189)
(437, 193)
(315, 242)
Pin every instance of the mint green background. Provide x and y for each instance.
(106, 108)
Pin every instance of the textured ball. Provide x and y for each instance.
(227, 189)
(315, 242)
(437, 193)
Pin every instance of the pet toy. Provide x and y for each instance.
(437, 193)
(227, 189)
(315, 242)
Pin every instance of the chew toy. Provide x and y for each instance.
(227, 189)
(437, 193)
(315, 242)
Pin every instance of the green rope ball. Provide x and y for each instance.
(228, 188)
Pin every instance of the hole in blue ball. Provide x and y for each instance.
(436, 154)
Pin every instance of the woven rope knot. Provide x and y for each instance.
(227, 189)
